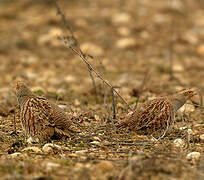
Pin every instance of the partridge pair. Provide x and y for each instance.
(156, 117)
(40, 118)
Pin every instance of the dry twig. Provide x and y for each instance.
(73, 44)
(142, 86)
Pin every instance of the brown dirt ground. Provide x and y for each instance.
(130, 40)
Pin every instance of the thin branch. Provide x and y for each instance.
(64, 20)
(73, 44)
(171, 49)
(14, 122)
(142, 86)
(94, 84)
(114, 106)
(81, 55)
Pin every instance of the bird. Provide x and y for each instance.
(40, 118)
(156, 117)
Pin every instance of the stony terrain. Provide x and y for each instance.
(143, 48)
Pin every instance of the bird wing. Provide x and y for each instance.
(59, 118)
(43, 111)
(157, 114)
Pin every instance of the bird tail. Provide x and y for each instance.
(63, 133)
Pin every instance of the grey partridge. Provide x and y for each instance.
(156, 117)
(40, 118)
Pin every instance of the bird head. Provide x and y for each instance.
(181, 97)
(22, 91)
(188, 93)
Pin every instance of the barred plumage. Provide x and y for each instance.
(39, 117)
(156, 116)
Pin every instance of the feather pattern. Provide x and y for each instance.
(39, 117)
(156, 116)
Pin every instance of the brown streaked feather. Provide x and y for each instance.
(39, 117)
(149, 116)
(156, 115)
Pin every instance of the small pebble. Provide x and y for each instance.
(16, 154)
(96, 139)
(97, 118)
(47, 149)
(62, 106)
(190, 132)
(193, 156)
(179, 142)
(125, 43)
(183, 128)
(31, 140)
(95, 142)
(55, 146)
(202, 137)
(81, 152)
(33, 149)
(121, 18)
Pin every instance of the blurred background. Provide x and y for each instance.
(163, 40)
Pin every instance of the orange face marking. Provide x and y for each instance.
(189, 93)
(19, 84)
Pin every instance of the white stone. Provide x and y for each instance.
(96, 138)
(125, 43)
(47, 149)
(31, 75)
(62, 106)
(97, 118)
(95, 142)
(33, 149)
(190, 132)
(187, 108)
(183, 128)
(194, 156)
(179, 142)
(70, 79)
(55, 146)
(31, 140)
(178, 67)
(202, 137)
(81, 152)
(13, 155)
(121, 18)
